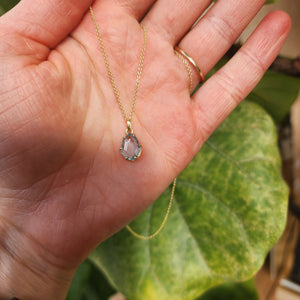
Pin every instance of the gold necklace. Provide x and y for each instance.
(131, 148)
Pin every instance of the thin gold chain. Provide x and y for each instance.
(117, 95)
(149, 237)
(113, 83)
(188, 68)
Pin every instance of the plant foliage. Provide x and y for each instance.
(230, 208)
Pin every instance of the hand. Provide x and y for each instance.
(64, 185)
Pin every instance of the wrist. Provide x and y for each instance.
(27, 270)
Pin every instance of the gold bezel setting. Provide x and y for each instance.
(138, 145)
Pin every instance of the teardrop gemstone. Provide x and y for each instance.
(131, 148)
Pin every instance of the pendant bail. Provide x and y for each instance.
(129, 127)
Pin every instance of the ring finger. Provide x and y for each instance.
(210, 39)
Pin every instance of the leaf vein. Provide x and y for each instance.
(218, 200)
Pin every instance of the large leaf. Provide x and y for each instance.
(6, 5)
(80, 281)
(232, 291)
(230, 208)
(272, 1)
(89, 284)
(276, 93)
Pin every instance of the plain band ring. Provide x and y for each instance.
(191, 61)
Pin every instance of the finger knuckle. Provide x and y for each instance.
(222, 27)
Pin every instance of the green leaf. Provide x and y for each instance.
(80, 281)
(89, 284)
(233, 291)
(271, 1)
(230, 208)
(6, 5)
(276, 93)
(98, 287)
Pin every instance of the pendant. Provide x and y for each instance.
(131, 148)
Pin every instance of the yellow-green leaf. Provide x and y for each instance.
(230, 207)
(276, 92)
(232, 291)
(6, 5)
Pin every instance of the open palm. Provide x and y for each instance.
(64, 185)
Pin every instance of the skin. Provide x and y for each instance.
(64, 186)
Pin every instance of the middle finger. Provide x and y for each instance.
(172, 19)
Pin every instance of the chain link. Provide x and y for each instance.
(162, 225)
(128, 119)
(188, 68)
(113, 83)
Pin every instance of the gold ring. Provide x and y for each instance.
(191, 61)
